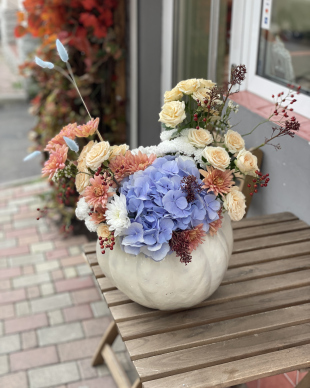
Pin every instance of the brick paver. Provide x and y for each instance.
(52, 315)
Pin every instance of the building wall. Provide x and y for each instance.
(289, 169)
(149, 70)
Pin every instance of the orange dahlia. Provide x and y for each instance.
(217, 181)
(56, 161)
(215, 225)
(125, 165)
(87, 129)
(195, 237)
(68, 131)
(98, 215)
(97, 193)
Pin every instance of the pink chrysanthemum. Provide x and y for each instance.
(98, 215)
(125, 165)
(56, 161)
(216, 225)
(217, 181)
(68, 131)
(87, 129)
(97, 194)
(196, 237)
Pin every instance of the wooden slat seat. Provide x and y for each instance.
(255, 325)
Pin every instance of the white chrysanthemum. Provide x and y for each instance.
(116, 214)
(166, 135)
(82, 209)
(90, 225)
(145, 150)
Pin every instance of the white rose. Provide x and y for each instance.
(173, 113)
(206, 83)
(218, 157)
(234, 203)
(201, 94)
(246, 162)
(233, 141)
(200, 137)
(173, 95)
(189, 86)
(98, 154)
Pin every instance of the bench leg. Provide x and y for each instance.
(305, 382)
(107, 339)
(115, 367)
(137, 384)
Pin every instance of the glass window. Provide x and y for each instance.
(191, 39)
(284, 47)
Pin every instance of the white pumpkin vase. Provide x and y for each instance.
(170, 284)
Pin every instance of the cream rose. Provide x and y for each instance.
(234, 203)
(118, 150)
(206, 83)
(246, 162)
(189, 86)
(233, 141)
(173, 113)
(201, 94)
(82, 178)
(200, 137)
(98, 154)
(84, 152)
(173, 95)
(103, 231)
(218, 157)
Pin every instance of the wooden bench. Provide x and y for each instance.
(256, 324)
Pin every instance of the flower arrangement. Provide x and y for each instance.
(94, 33)
(166, 198)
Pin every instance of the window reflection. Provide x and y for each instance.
(284, 49)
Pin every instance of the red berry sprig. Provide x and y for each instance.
(43, 212)
(107, 243)
(260, 181)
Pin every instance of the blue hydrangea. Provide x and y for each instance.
(157, 206)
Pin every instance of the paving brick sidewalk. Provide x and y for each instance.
(51, 313)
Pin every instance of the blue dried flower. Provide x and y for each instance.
(33, 155)
(71, 144)
(45, 65)
(62, 51)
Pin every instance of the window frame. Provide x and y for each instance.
(246, 22)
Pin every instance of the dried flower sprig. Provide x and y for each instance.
(191, 186)
(179, 243)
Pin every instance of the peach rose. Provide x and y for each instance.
(118, 150)
(103, 231)
(218, 157)
(235, 205)
(246, 162)
(173, 113)
(188, 86)
(173, 95)
(98, 154)
(200, 137)
(233, 141)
